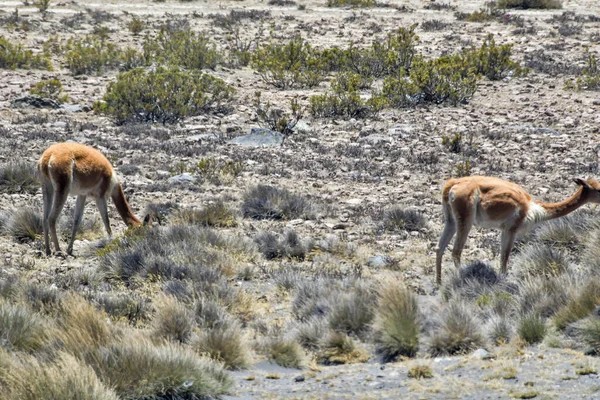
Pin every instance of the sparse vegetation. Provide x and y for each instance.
(420, 372)
(532, 328)
(269, 202)
(525, 4)
(338, 348)
(580, 305)
(50, 89)
(24, 224)
(286, 352)
(396, 322)
(18, 178)
(458, 331)
(213, 214)
(140, 96)
(14, 56)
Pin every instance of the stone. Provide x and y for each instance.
(74, 108)
(482, 354)
(299, 378)
(378, 261)
(375, 139)
(202, 136)
(182, 179)
(302, 127)
(259, 137)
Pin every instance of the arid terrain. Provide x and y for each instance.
(289, 264)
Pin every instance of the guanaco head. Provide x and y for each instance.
(591, 189)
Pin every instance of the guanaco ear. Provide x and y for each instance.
(148, 220)
(581, 182)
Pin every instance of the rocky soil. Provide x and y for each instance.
(530, 130)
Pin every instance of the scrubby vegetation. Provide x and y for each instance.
(165, 95)
(15, 56)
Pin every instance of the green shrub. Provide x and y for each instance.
(589, 78)
(217, 171)
(396, 323)
(164, 95)
(344, 99)
(49, 89)
(525, 4)
(42, 5)
(135, 25)
(580, 305)
(14, 56)
(493, 61)
(181, 47)
(91, 55)
(18, 178)
(532, 328)
(291, 65)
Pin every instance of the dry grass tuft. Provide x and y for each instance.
(20, 328)
(420, 372)
(458, 331)
(579, 305)
(173, 320)
(225, 344)
(397, 322)
(215, 214)
(25, 224)
(339, 348)
(269, 202)
(286, 352)
(532, 328)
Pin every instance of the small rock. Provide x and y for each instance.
(202, 136)
(259, 137)
(377, 261)
(482, 354)
(302, 127)
(75, 108)
(299, 378)
(33, 101)
(182, 179)
(374, 140)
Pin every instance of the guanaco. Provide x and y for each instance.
(79, 170)
(495, 203)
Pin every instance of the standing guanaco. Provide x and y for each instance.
(495, 203)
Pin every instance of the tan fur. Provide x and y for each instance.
(496, 203)
(74, 169)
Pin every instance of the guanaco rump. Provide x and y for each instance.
(495, 203)
(76, 169)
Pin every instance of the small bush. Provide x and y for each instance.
(311, 333)
(135, 368)
(276, 119)
(49, 89)
(399, 219)
(314, 299)
(493, 61)
(13, 56)
(25, 225)
(164, 95)
(471, 281)
(338, 348)
(41, 297)
(540, 261)
(500, 330)
(590, 333)
(18, 178)
(562, 233)
(532, 328)
(351, 3)
(286, 352)
(458, 331)
(288, 246)
(118, 306)
(352, 311)
(64, 378)
(291, 65)
(20, 328)
(526, 4)
(589, 78)
(91, 55)
(420, 372)
(214, 214)
(173, 320)
(269, 202)
(135, 25)
(580, 304)
(542, 296)
(182, 47)
(224, 344)
(434, 25)
(344, 99)
(396, 323)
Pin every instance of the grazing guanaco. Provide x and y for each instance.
(75, 169)
(495, 203)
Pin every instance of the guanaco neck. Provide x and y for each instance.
(118, 197)
(562, 208)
